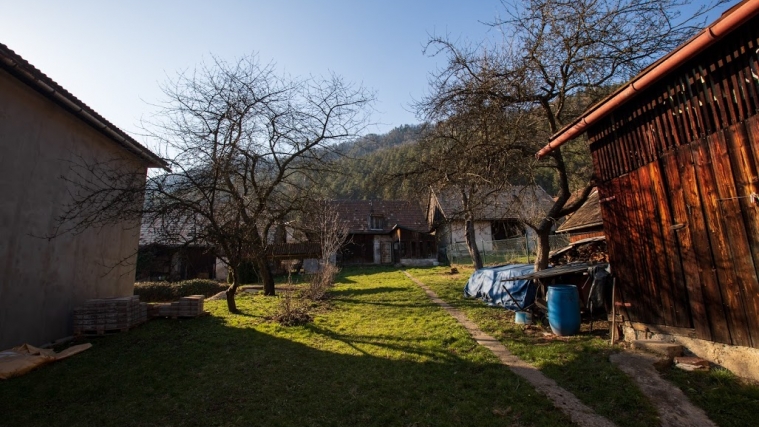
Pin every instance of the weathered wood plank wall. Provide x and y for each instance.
(678, 169)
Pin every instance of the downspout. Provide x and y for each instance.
(730, 19)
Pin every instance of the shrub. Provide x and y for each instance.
(321, 282)
(172, 291)
(292, 310)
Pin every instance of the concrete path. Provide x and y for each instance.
(562, 399)
(674, 408)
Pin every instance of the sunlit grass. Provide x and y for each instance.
(379, 353)
(580, 364)
(728, 400)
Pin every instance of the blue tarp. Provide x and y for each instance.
(487, 284)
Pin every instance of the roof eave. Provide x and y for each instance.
(729, 20)
(31, 76)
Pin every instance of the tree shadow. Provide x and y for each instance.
(205, 372)
(364, 291)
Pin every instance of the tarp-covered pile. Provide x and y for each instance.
(488, 284)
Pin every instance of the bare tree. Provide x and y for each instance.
(468, 154)
(243, 145)
(555, 58)
(324, 224)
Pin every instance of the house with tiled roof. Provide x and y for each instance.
(385, 232)
(44, 129)
(498, 214)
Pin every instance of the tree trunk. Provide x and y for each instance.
(471, 243)
(544, 247)
(266, 276)
(231, 305)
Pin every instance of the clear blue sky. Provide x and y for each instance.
(114, 54)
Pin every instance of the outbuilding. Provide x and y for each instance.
(676, 153)
(44, 130)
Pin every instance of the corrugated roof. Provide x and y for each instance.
(396, 214)
(589, 215)
(511, 202)
(25, 72)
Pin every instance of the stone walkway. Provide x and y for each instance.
(562, 399)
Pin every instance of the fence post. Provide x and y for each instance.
(527, 246)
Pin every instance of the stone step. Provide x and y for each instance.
(667, 349)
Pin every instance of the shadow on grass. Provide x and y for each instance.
(385, 304)
(201, 372)
(364, 291)
(382, 341)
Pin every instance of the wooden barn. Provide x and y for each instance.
(676, 154)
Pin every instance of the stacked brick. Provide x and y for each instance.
(191, 306)
(98, 316)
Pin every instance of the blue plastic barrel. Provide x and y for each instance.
(563, 309)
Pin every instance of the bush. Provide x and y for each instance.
(321, 282)
(172, 291)
(292, 310)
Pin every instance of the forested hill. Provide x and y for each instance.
(405, 134)
(371, 164)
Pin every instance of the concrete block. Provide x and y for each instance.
(667, 349)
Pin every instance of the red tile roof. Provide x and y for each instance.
(396, 213)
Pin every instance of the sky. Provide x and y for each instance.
(113, 55)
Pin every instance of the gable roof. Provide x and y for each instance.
(730, 20)
(25, 72)
(509, 203)
(588, 216)
(396, 213)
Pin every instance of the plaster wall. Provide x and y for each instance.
(42, 280)
(482, 231)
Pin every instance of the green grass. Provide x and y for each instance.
(580, 364)
(728, 400)
(380, 354)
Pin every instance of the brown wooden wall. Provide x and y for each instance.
(678, 167)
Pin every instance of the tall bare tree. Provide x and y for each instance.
(554, 59)
(243, 145)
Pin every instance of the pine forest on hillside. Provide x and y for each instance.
(375, 166)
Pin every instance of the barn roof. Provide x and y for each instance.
(396, 214)
(25, 72)
(729, 20)
(588, 216)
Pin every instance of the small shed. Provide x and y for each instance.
(676, 152)
(586, 222)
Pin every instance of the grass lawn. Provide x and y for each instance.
(728, 400)
(381, 354)
(580, 364)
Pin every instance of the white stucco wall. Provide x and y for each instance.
(482, 232)
(41, 281)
